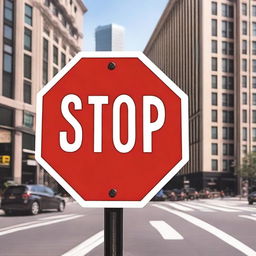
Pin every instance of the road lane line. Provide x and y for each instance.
(57, 217)
(211, 229)
(203, 209)
(180, 207)
(36, 225)
(18, 225)
(166, 231)
(247, 217)
(86, 246)
(217, 208)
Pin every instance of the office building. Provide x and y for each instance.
(109, 38)
(208, 48)
(38, 37)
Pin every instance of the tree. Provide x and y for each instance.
(247, 169)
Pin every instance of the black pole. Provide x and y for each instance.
(113, 231)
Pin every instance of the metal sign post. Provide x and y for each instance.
(113, 231)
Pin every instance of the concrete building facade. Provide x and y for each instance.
(38, 37)
(109, 38)
(208, 48)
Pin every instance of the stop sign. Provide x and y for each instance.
(112, 129)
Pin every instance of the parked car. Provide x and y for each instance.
(30, 198)
(160, 196)
(252, 197)
(180, 195)
(205, 193)
(171, 195)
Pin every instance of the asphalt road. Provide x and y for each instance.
(202, 227)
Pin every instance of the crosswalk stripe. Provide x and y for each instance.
(248, 217)
(86, 246)
(222, 209)
(166, 231)
(232, 207)
(57, 217)
(203, 209)
(179, 207)
(232, 241)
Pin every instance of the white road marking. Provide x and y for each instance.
(248, 217)
(86, 246)
(57, 217)
(166, 231)
(18, 225)
(222, 209)
(180, 207)
(213, 230)
(203, 209)
(36, 225)
(222, 204)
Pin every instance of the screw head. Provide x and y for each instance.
(111, 65)
(112, 192)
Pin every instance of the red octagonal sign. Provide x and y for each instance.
(112, 129)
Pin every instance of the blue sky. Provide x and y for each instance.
(138, 17)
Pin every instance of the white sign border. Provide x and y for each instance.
(184, 119)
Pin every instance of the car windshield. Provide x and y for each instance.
(15, 190)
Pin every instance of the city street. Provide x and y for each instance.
(194, 228)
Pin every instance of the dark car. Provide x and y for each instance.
(30, 198)
(191, 193)
(252, 197)
(180, 195)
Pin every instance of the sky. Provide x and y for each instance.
(138, 17)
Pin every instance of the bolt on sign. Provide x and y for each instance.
(112, 129)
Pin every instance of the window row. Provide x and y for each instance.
(227, 149)
(227, 47)
(227, 82)
(227, 116)
(245, 28)
(227, 165)
(227, 133)
(227, 28)
(227, 99)
(227, 65)
(226, 10)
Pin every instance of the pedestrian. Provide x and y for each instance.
(222, 194)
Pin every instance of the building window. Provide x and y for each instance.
(55, 71)
(244, 9)
(214, 149)
(227, 100)
(214, 27)
(227, 48)
(27, 92)
(228, 149)
(244, 98)
(55, 55)
(214, 116)
(28, 119)
(28, 14)
(244, 149)
(227, 10)
(253, 82)
(214, 165)
(227, 65)
(228, 133)
(253, 47)
(214, 8)
(27, 66)
(254, 116)
(228, 82)
(244, 116)
(63, 60)
(47, 2)
(254, 149)
(45, 60)
(244, 27)
(254, 99)
(214, 46)
(214, 99)
(244, 134)
(254, 28)
(214, 132)
(244, 81)
(228, 116)
(214, 81)
(254, 10)
(8, 32)
(214, 64)
(253, 65)
(8, 10)
(27, 39)
(244, 65)
(253, 134)
(244, 47)
(227, 29)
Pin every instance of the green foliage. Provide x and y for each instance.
(248, 167)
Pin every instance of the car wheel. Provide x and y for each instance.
(35, 208)
(61, 206)
(250, 202)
